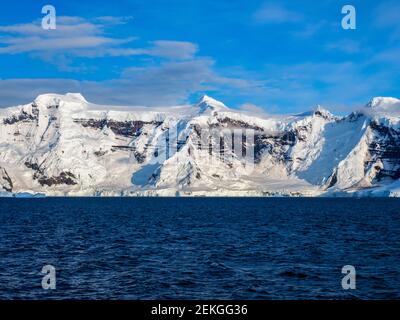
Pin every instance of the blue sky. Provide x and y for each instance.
(272, 56)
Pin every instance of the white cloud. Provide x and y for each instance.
(173, 49)
(72, 34)
(38, 44)
(176, 73)
(168, 83)
(341, 87)
(79, 37)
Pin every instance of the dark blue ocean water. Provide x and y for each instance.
(185, 248)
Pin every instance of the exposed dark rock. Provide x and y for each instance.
(353, 117)
(124, 147)
(139, 157)
(301, 133)
(66, 178)
(231, 123)
(33, 166)
(99, 153)
(22, 116)
(331, 181)
(126, 129)
(197, 129)
(277, 146)
(320, 114)
(9, 185)
(92, 123)
(386, 148)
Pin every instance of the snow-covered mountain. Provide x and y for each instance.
(64, 145)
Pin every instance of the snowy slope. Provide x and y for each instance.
(64, 145)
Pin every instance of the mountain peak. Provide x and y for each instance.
(76, 97)
(75, 101)
(386, 107)
(52, 97)
(322, 112)
(383, 102)
(207, 103)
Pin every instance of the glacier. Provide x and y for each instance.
(63, 145)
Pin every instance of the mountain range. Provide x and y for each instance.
(63, 145)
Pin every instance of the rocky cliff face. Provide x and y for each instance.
(5, 181)
(64, 145)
